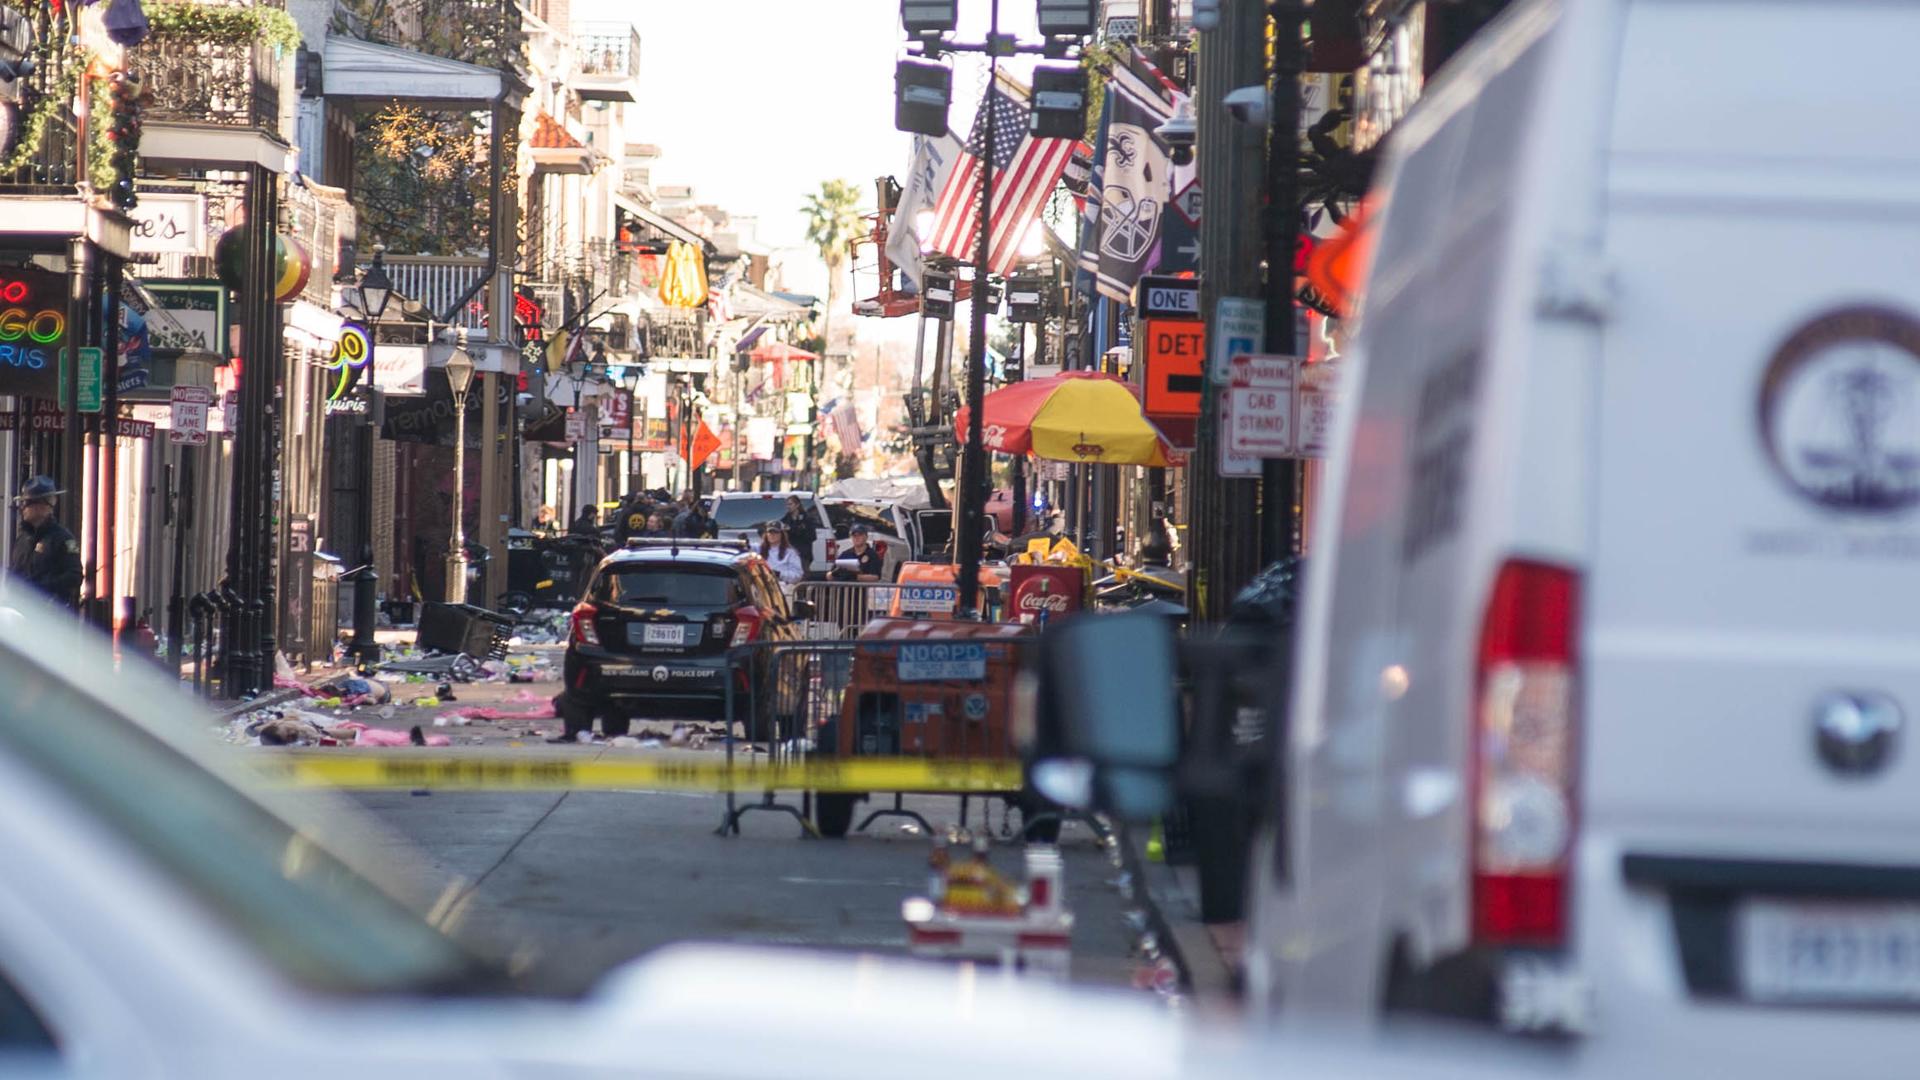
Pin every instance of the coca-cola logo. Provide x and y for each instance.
(993, 436)
(1037, 602)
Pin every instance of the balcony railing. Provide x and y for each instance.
(608, 267)
(49, 170)
(438, 281)
(676, 333)
(194, 80)
(608, 49)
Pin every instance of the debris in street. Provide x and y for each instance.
(624, 742)
(544, 712)
(385, 738)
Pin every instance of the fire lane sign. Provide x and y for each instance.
(189, 420)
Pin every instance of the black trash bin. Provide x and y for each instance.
(1220, 829)
(550, 571)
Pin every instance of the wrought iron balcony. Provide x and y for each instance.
(671, 334)
(48, 169)
(440, 281)
(608, 59)
(609, 268)
(194, 80)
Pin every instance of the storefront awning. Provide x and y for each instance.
(671, 229)
(357, 69)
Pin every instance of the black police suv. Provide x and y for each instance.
(650, 635)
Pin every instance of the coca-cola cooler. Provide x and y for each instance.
(1039, 594)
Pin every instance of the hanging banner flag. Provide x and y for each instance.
(1135, 178)
(683, 284)
(927, 175)
(705, 442)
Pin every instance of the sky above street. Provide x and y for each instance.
(755, 102)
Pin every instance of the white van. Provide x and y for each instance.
(1610, 627)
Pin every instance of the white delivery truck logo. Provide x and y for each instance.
(1840, 410)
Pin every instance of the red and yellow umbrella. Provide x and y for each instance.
(1083, 416)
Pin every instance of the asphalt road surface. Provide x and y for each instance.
(585, 880)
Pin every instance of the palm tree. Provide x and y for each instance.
(833, 221)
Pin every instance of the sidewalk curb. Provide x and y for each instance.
(1175, 918)
(265, 701)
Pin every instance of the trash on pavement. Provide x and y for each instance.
(383, 737)
(972, 912)
(542, 712)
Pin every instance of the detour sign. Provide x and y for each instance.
(1174, 357)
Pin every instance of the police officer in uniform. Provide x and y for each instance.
(45, 554)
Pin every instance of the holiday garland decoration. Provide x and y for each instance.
(221, 25)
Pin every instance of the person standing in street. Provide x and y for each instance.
(45, 554)
(800, 528)
(586, 522)
(546, 522)
(861, 561)
(781, 556)
(694, 523)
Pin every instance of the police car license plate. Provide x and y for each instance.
(1829, 952)
(663, 634)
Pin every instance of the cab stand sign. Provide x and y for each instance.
(1279, 406)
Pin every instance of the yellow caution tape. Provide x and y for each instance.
(419, 770)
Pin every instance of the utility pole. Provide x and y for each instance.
(1280, 477)
(1231, 157)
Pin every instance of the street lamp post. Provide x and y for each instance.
(459, 380)
(375, 290)
(1062, 23)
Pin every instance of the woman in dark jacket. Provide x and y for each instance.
(801, 529)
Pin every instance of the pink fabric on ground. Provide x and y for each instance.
(374, 736)
(370, 736)
(545, 713)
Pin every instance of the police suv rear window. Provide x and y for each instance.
(668, 587)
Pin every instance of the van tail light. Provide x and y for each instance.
(583, 631)
(1526, 736)
(833, 550)
(746, 625)
(880, 547)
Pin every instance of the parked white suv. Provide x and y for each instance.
(1608, 637)
(745, 513)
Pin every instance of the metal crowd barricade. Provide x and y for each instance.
(781, 694)
(842, 608)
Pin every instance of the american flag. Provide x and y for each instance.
(1024, 173)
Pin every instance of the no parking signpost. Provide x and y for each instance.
(1280, 407)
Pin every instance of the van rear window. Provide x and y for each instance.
(753, 512)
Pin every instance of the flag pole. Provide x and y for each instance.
(975, 481)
